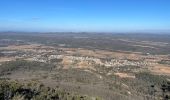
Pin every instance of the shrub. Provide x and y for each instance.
(13, 90)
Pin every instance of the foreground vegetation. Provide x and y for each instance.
(13, 90)
(79, 81)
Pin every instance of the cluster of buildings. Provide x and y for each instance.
(92, 61)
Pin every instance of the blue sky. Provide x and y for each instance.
(85, 15)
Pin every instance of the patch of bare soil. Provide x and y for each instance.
(20, 47)
(5, 59)
(161, 69)
(124, 75)
(144, 46)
